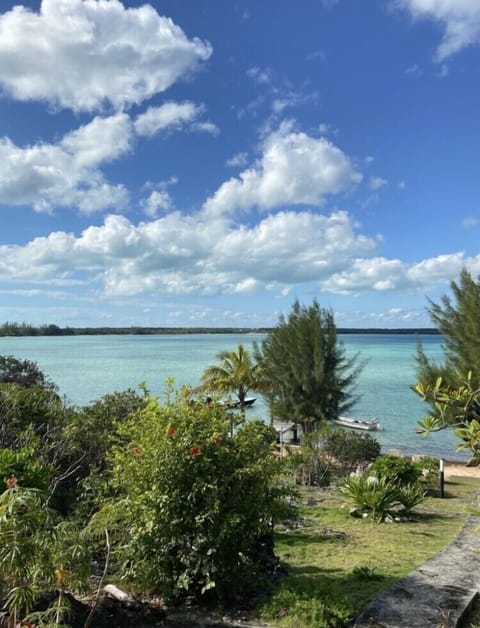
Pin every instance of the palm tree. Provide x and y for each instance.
(237, 373)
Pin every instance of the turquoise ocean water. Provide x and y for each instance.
(87, 367)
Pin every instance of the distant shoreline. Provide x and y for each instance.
(23, 329)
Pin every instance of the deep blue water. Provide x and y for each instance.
(87, 367)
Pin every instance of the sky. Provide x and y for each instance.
(208, 162)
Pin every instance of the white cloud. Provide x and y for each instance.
(205, 127)
(172, 116)
(48, 55)
(66, 174)
(376, 183)
(361, 275)
(381, 274)
(159, 200)
(237, 161)
(294, 168)
(431, 272)
(460, 19)
(180, 254)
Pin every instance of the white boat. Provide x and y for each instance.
(235, 403)
(358, 424)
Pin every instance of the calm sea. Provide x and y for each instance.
(87, 367)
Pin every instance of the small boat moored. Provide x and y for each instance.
(358, 424)
(235, 403)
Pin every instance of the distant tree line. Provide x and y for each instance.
(25, 329)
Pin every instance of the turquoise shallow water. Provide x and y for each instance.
(87, 367)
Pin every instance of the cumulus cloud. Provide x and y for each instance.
(459, 18)
(294, 168)
(67, 174)
(48, 55)
(172, 116)
(181, 254)
(381, 274)
(159, 200)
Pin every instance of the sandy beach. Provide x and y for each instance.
(460, 469)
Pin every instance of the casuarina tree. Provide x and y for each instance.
(452, 387)
(311, 379)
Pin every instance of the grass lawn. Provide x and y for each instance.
(337, 564)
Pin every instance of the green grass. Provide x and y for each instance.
(337, 564)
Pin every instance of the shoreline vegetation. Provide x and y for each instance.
(24, 329)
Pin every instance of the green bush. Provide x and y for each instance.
(396, 469)
(194, 507)
(391, 484)
(374, 496)
(23, 469)
(348, 450)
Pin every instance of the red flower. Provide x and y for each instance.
(171, 431)
(194, 451)
(11, 482)
(136, 451)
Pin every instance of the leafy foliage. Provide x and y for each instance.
(194, 507)
(37, 552)
(389, 483)
(311, 379)
(372, 495)
(456, 407)
(452, 388)
(396, 469)
(29, 413)
(24, 469)
(237, 373)
(22, 372)
(348, 450)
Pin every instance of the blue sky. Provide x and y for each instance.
(205, 163)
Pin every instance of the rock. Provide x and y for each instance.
(113, 591)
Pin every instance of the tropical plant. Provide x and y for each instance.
(390, 483)
(38, 553)
(456, 407)
(372, 496)
(452, 388)
(310, 377)
(238, 372)
(411, 495)
(194, 507)
(458, 322)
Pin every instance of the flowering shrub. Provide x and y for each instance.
(22, 467)
(196, 508)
